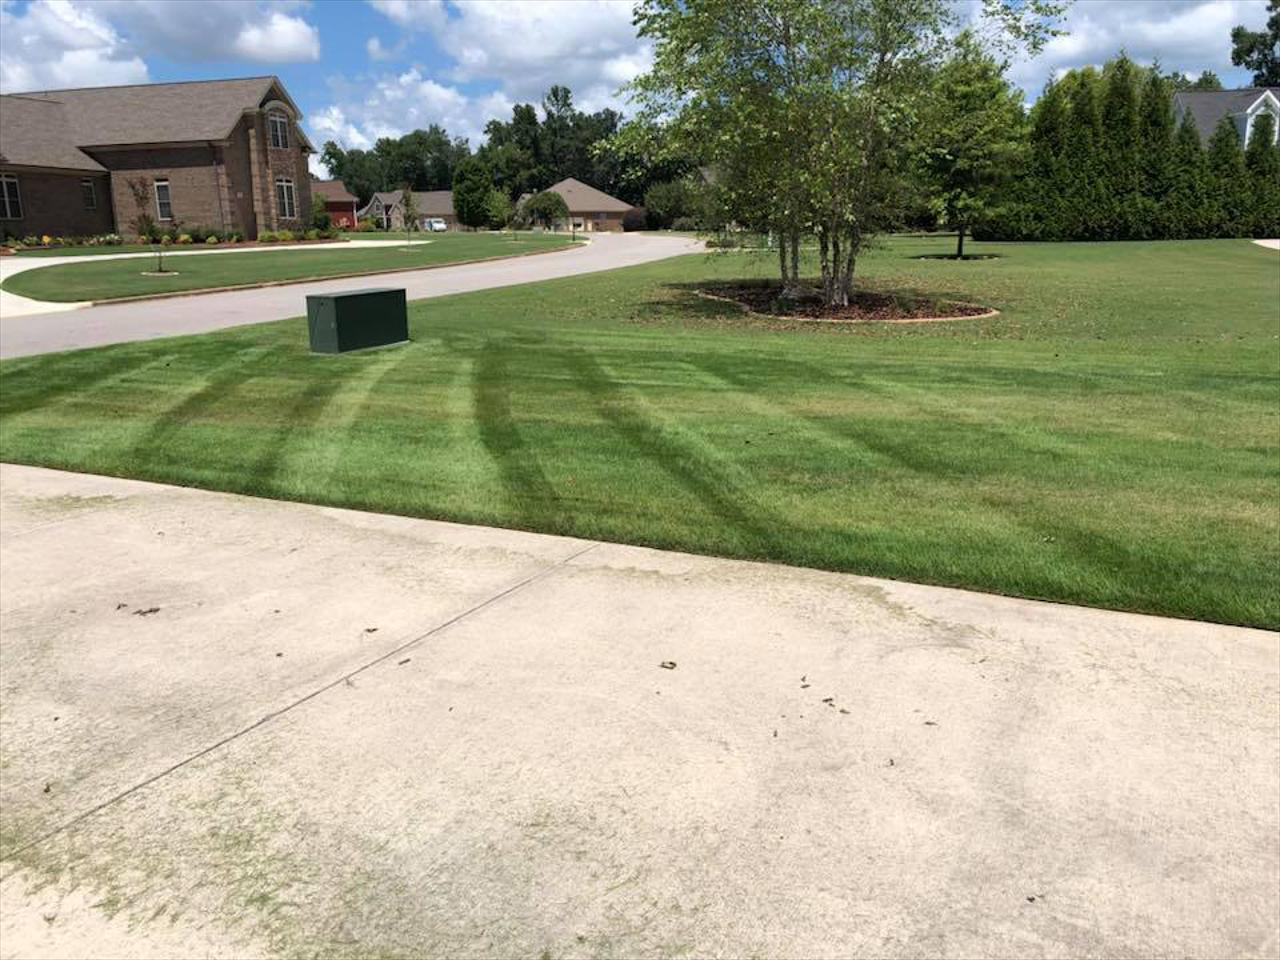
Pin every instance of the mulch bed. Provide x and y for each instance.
(867, 307)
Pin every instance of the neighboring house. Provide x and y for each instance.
(1208, 107)
(223, 154)
(590, 209)
(338, 203)
(386, 208)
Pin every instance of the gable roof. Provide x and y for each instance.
(582, 198)
(163, 112)
(333, 190)
(35, 133)
(429, 203)
(1208, 107)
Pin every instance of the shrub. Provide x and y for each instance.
(634, 219)
(312, 234)
(235, 236)
(684, 223)
(366, 225)
(184, 239)
(45, 240)
(267, 236)
(210, 240)
(285, 236)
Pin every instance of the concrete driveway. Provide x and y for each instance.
(23, 335)
(237, 727)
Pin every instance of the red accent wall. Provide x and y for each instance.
(341, 213)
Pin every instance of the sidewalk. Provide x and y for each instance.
(239, 727)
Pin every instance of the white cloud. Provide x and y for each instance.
(389, 105)
(588, 45)
(413, 14)
(280, 39)
(373, 46)
(62, 44)
(1184, 35)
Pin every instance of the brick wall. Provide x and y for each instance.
(52, 204)
(193, 184)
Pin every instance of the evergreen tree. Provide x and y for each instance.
(1262, 160)
(1184, 211)
(1228, 186)
(1155, 145)
(1044, 190)
(1085, 197)
(1118, 158)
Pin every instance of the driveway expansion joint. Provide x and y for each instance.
(274, 714)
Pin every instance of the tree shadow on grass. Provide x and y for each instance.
(78, 375)
(152, 448)
(763, 536)
(528, 489)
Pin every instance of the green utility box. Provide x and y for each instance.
(356, 319)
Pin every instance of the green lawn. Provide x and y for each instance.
(106, 250)
(107, 279)
(1113, 438)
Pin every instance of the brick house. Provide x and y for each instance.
(224, 154)
(386, 208)
(590, 209)
(338, 203)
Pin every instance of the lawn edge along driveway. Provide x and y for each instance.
(10, 287)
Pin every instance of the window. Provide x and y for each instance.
(89, 195)
(10, 202)
(164, 208)
(279, 126)
(285, 200)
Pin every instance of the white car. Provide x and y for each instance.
(435, 225)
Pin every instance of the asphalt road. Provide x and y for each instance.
(198, 313)
(237, 727)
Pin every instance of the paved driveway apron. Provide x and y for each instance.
(237, 727)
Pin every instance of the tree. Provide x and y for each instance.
(972, 136)
(1208, 80)
(1184, 211)
(472, 184)
(1227, 180)
(1259, 50)
(144, 225)
(1155, 134)
(1262, 160)
(806, 107)
(1120, 149)
(409, 210)
(319, 213)
(545, 208)
(498, 209)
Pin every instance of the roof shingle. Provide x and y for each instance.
(35, 133)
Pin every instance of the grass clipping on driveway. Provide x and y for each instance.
(110, 279)
(1111, 438)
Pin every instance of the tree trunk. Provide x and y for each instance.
(795, 258)
(960, 242)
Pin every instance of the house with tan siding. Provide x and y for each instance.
(223, 154)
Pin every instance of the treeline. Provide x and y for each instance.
(523, 155)
(1104, 160)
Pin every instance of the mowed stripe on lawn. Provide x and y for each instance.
(1112, 438)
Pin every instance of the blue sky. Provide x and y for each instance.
(360, 70)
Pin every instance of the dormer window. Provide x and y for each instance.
(279, 127)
